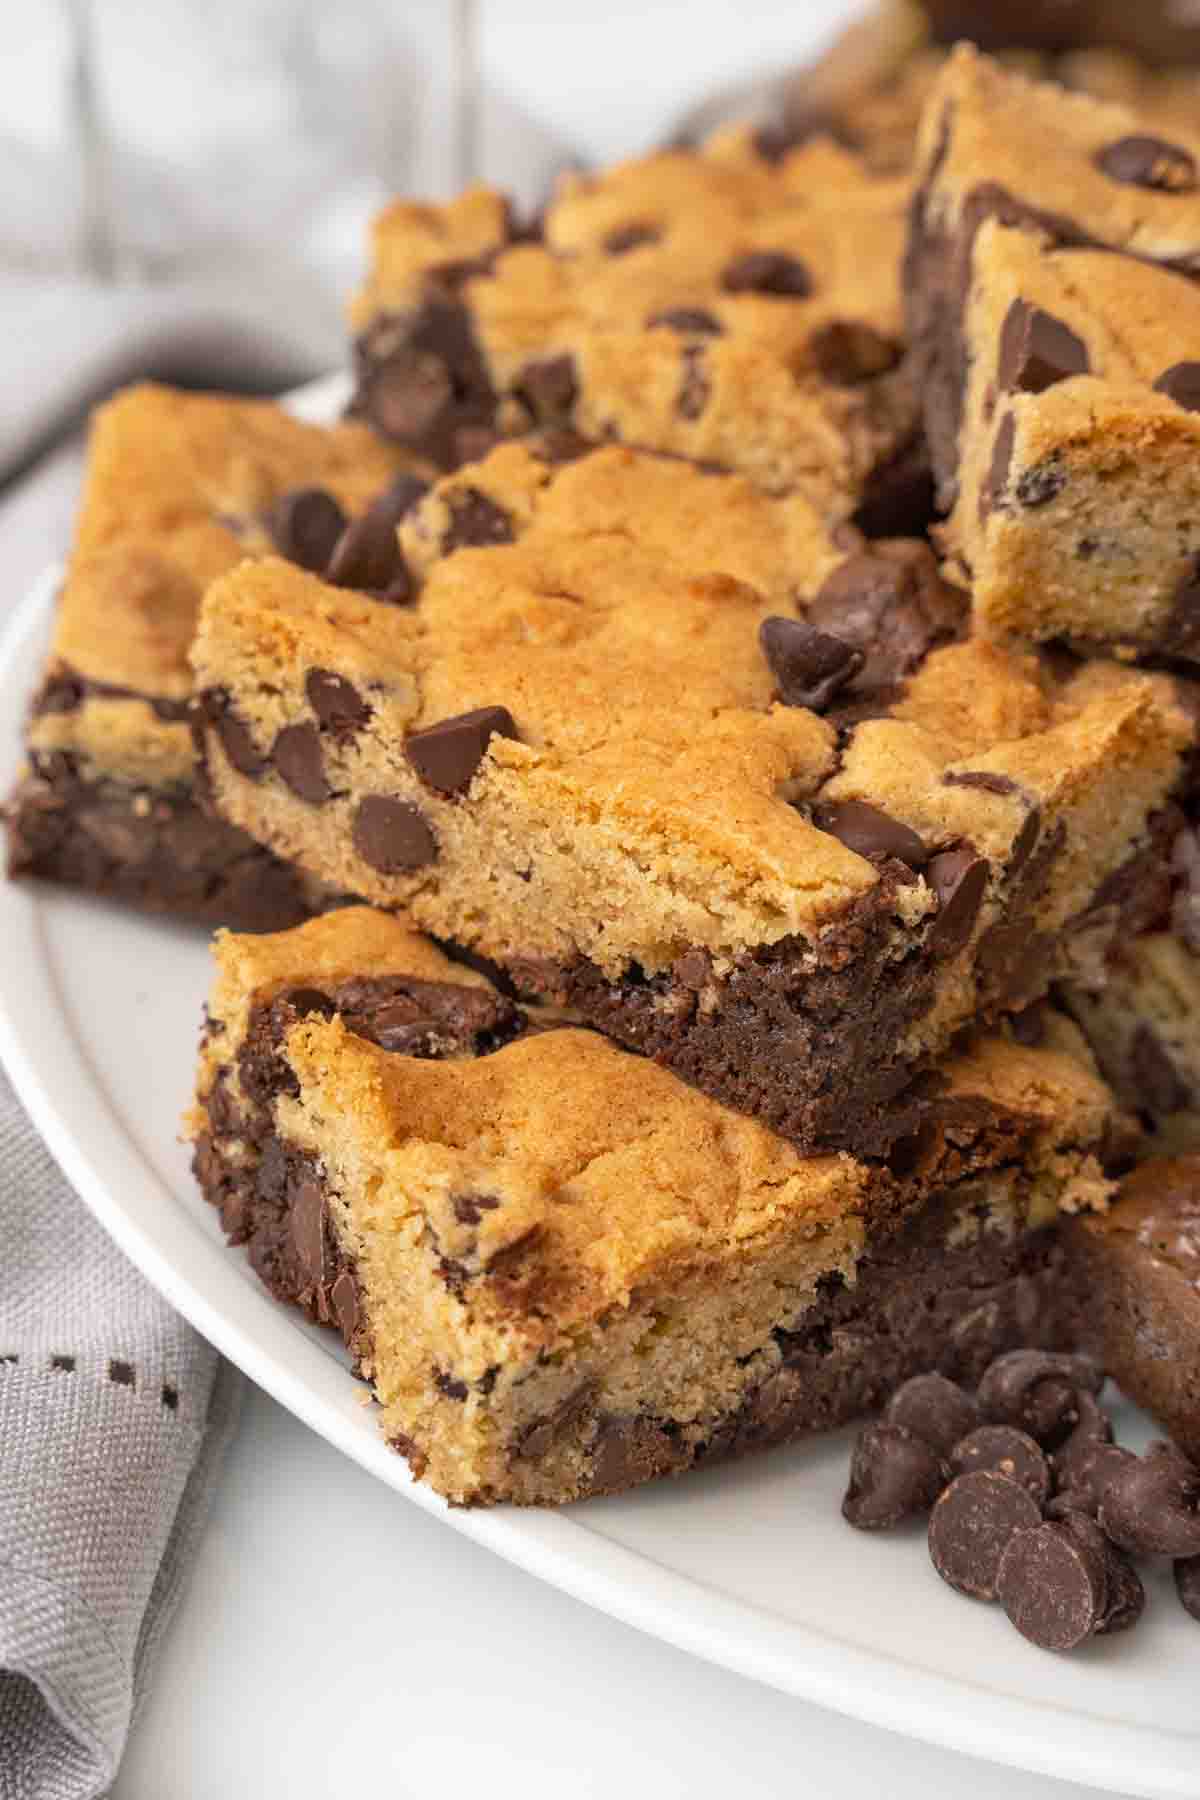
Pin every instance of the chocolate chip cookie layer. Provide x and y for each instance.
(1055, 319)
(562, 1270)
(717, 305)
(180, 487)
(789, 844)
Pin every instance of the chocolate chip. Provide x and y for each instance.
(686, 319)
(475, 520)
(407, 395)
(344, 1298)
(336, 702)
(894, 1474)
(367, 555)
(392, 835)
(1160, 1086)
(296, 754)
(447, 755)
(306, 1218)
(1181, 631)
(309, 1000)
(631, 237)
(991, 494)
(772, 272)
(1124, 1597)
(959, 878)
(892, 608)
(1025, 842)
(450, 1385)
(58, 694)
(473, 442)
(1151, 1506)
(871, 833)
(1009, 1452)
(1052, 1585)
(469, 1209)
(235, 736)
(1148, 162)
(970, 1528)
(1043, 482)
(1037, 350)
(1037, 1391)
(305, 525)
(1083, 1463)
(1181, 383)
(398, 499)
(1187, 1584)
(809, 666)
(847, 352)
(694, 385)
(1029, 1027)
(935, 1408)
(549, 389)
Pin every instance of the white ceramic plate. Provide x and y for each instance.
(750, 1565)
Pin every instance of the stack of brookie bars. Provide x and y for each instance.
(708, 751)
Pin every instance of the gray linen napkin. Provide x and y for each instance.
(114, 1419)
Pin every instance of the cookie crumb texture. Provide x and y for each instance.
(1055, 320)
(737, 309)
(562, 1270)
(676, 759)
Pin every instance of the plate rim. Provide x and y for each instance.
(82, 1130)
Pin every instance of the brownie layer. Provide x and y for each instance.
(154, 848)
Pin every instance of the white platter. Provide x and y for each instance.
(749, 1566)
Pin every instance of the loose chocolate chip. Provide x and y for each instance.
(1187, 1584)
(296, 754)
(392, 835)
(1037, 350)
(367, 555)
(1083, 1472)
(870, 833)
(694, 385)
(1125, 1597)
(970, 1528)
(306, 1217)
(959, 878)
(1160, 1087)
(344, 1296)
(1038, 1391)
(631, 237)
(475, 521)
(447, 755)
(549, 389)
(809, 666)
(991, 494)
(894, 1474)
(847, 353)
(235, 736)
(310, 1000)
(1149, 162)
(1181, 383)
(687, 319)
(305, 525)
(1052, 1585)
(1009, 1452)
(1151, 1506)
(771, 272)
(935, 1408)
(1043, 482)
(336, 702)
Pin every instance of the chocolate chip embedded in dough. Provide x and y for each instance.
(1037, 350)
(306, 1219)
(991, 494)
(624, 238)
(549, 389)
(475, 521)
(894, 1475)
(447, 755)
(870, 832)
(296, 754)
(1181, 383)
(970, 1528)
(234, 733)
(392, 835)
(406, 396)
(1149, 162)
(336, 702)
(694, 386)
(848, 352)
(959, 878)
(344, 1298)
(305, 525)
(686, 319)
(771, 272)
(367, 555)
(809, 666)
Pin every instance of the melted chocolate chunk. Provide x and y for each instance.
(870, 832)
(447, 755)
(307, 1221)
(393, 835)
(892, 606)
(1037, 350)
(686, 319)
(1149, 162)
(367, 555)
(296, 754)
(1181, 383)
(475, 520)
(336, 702)
(771, 272)
(421, 377)
(848, 352)
(305, 525)
(809, 666)
(959, 878)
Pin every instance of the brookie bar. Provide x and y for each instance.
(563, 1271)
(763, 819)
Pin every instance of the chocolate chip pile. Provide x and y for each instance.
(1030, 1501)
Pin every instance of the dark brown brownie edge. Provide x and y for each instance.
(153, 848)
